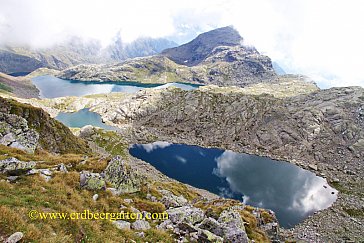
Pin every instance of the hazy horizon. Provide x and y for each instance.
(320, 39)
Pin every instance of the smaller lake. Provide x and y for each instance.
(52, 87)
(290, 191)
(82, 118)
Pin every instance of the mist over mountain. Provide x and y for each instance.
(76, 50)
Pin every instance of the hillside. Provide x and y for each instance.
(18, 86)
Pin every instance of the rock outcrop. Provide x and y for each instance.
(26, 127)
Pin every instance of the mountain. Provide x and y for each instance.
(215, 57)
(76, 51)
(195, 51)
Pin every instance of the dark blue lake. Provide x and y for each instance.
(52, 87)
(291, 192)
(82, 118)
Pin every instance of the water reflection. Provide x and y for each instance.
(293, 193)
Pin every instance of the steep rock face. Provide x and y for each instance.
(20, 87)
(31, 127)
(194, 52)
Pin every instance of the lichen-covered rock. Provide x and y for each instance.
(171, 200)
(233, 226)
(15, 166)
(14, 238)
(188, 214)
(14, 132)
(121, 224)
(122, 176)
(140, 225)
(92, 181)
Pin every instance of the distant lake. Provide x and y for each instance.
(82, 118)
(291, 192)
(52, 87)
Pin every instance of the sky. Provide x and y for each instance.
(323, 39)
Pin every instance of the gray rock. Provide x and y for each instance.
(46, 174)
(212, 225)
(140, 234)
(16, 133)
(128, 200)
(165, 225)
(16, 237)
(12, 178)
(95, 197)
(113, 191)
(233, 226)
(92, 181)
(122, 176)
(61, 168)
(15, 166)
(170, 200)
(120, 224)
(188, 214)
(140, 225)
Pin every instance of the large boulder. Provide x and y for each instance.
(124, 178)
(171, 200)
(14, 166)
(187, 214)
(233, 226)
(14, 132)
(92, 181)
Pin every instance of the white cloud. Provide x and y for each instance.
(322, 39)
(156, 145)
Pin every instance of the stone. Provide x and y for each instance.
(233, 226)
(165, 225)
(14, 166)
(212, 225)
(14, 238)
(187, 214)
(125, 179)
(170, 200)
(128, 200)
(12, 178)
(92, 181)
(113, 191)
(140, 225)
(123, 225)
(312, 166)
(61, 168)
(95, 197)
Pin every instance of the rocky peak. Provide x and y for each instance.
(195, 51)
